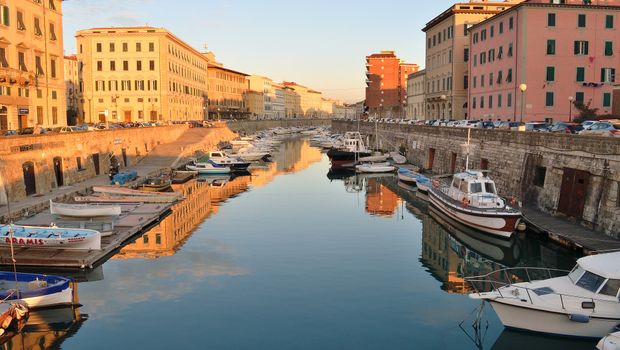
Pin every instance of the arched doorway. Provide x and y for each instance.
(60, 180)
(29, 178)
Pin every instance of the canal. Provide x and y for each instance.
(291, 258)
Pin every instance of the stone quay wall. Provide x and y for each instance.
(252, 126)
(63, 159)
(534, 167)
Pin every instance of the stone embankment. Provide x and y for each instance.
(572, 176)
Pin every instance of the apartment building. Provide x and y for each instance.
(415, 95)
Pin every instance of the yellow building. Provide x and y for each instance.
(73, 93)
(226, 90)
(447, 56)
(254, 101)
(308, 102)
(32, 88)
(134, 74)
(266, 86)
(292, 102)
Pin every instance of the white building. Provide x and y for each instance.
(415, 95)
(266, 86)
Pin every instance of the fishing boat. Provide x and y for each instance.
(384, 167)
(84, 210)
(407, 176)
(50, 237)
(208, 168)
(352, 150)
(424, 183)
(13, 318)
(473, 200)
(36, 290)
(124, 191)
(102, 198)
(580, 303)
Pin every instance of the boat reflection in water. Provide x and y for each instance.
(380, 200)
(205, 195)
(510, 340)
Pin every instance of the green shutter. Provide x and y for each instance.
(581, 21)
(550, 73)
(579, 97)
(606, 99)
(609, 21)
(576, 48)
(5, 16)
(549, 99)
(609, 51)
(551, 20)
(550, 47)
(581, 74)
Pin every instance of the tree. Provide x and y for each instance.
(586, 112)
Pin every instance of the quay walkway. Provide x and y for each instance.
(567, 233)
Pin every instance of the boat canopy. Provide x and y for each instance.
(604, 265)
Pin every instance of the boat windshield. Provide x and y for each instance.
(575, 274)
(489, 187)
(611, 288)
(475, 187)
(590, 281)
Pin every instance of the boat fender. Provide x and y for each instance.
(579, 318)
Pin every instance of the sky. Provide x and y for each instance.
(321, 44)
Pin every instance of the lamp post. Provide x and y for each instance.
(443, 106)
(523, 88)
(570, 108)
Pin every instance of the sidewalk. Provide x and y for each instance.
(569, 234)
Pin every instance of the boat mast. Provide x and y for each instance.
(8, 208)
(467, 150)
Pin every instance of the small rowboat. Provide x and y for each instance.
(13, 318)
(125, 199)
(375, 168)
(123, 191)
(50, 237)
(84, 210)
(36, 290)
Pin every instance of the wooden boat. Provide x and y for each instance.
(13, 318)
(156, 184)
(126, 199)
(36, 290)
(84, 210)
(181, 177)
(124, 191)
(407, 176)
(472, 200)
(208, 168)
(50, 237)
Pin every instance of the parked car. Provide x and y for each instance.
(10, 133)
(603, 128)
(588, 123)
(497, 123)
(68, 129)
(566, 127)
(506, 125)
(487, 124)
(537, 126)
(31, 131)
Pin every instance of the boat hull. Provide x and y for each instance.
(500, 224)
(551, 322)
(124, 199)
(84, 210)
(41, 291)
(213, 170)
(375, 169)
(129, 192)
(336, 155)
(50, 237)
(408, 180)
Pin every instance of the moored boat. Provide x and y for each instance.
(84, 210)
(407, 176)
(208, 168)
(423, 183)
(181, 177)
(473, 200)
(50, 237)
(125, 199)
(36, 290)
(221, 159)
(13, 318)
(156, 184)
(352, 150)
(610, 342)
(580, 303)
(375, 168)
(124, 191)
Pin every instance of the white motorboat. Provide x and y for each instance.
(221, 159)
(582, 303)
(84, 210)
(374, 159)
(398, 158)
(208, 168)
(50, 237)
(473, 200)
(375, 168)
(610, 342)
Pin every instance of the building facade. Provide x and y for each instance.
(292, 102)
(386, 83)
(264, 85)
(279, 104)
(32, 86)
(415, 95)
(447, 56)
(136, 74)
(226, 90)
(72, 89)
(255, 104)
(537, 60)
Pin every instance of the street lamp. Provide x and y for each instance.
(443, 105)
(570, 108)
(523, 88)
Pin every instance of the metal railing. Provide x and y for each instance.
(499, 281)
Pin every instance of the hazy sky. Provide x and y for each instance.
(319, 43)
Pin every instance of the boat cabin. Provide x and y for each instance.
(473, 182)
(599, 274)
(353, 142)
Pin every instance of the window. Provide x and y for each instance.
(475, 82)
(511, 23)
(581, 47)
(138, 47)
(509, 100)
(112, 66)
(539, 176)
(499, 101)
(581, 20)
(466, 28)
(37, 27)
(3, 62)
(125, 47)
(112, 48)
(611, 288)
(500, 78)
(20, 21)
(473, 106)
(53, 67)
(138, 65)
(579, 97)
(492, 32)
(429, 43)
(78, 161)
(609, 21)
(39, 115)
(549, 99)
(551, 20)
(52, 5)
(5, 17)
(491, 101)
(125, 65)
(509, 76)
(52, 32)
(609, 48)
(606, 99)
(39, 65)
(152, 65)
(551, 47)
(481, 101)
(99, 49)
(482, 79)
(590, 281)
(54, 115)
(145, 239)
(608, 75)
(151, 47)
(501, 27)
(99, 66)
(490, 80)
(157, 236)
(465, 82)
(550, 74)
(581, 73)
(510, 50)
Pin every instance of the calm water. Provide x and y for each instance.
(291, 259)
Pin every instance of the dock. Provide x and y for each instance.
(568, 234)
(134, 220)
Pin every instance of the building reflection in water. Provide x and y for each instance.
(380, 200)
(203, 198)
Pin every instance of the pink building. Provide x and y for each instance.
(561, 51)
